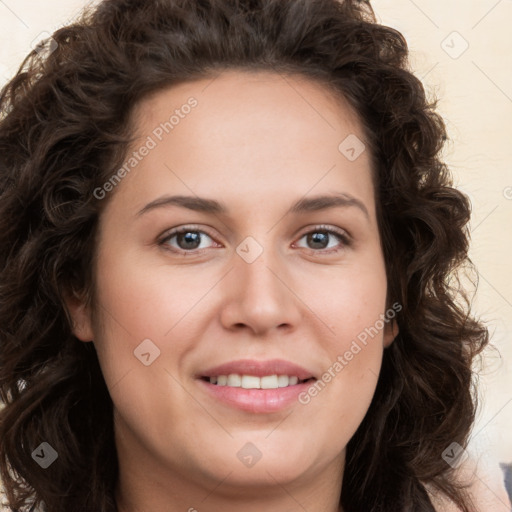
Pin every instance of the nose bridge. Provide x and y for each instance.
(259, 297)
(257, 267)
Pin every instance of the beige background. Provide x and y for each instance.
(462, 52)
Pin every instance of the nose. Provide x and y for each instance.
(260, 296)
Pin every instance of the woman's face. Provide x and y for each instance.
(278, 272)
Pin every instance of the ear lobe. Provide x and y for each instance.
(79, 312)
(390, 333)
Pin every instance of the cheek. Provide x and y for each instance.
(140, 301)
(340, 399)
(149, 301)
(139, 310)
(353, 307)
(351, 303)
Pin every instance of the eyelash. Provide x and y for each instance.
(342, 236)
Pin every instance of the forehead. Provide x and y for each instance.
(250, 97)
(252, 133)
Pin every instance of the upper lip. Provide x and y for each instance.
(259, 369)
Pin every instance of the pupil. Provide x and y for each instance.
(192, 240)
(319, 240)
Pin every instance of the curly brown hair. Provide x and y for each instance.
(64, 129)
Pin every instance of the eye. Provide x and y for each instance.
(190, 240)
(324, 239)
(186, 239)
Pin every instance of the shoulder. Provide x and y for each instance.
(484, 483)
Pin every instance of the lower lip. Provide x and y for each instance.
(257, 400)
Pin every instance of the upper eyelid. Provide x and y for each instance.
(169, 233)
(325, 227)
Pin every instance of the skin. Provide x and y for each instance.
(257, 142)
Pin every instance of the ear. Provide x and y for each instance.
(81, 323)
(390, 333)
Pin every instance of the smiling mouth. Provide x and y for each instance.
(235, 380)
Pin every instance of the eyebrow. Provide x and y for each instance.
(310, 204)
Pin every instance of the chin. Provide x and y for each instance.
(260, 463)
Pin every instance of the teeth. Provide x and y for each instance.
(251, 382)
(235, 380)
(283, 381)
(269, 382)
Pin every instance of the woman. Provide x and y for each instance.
(229, 267)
